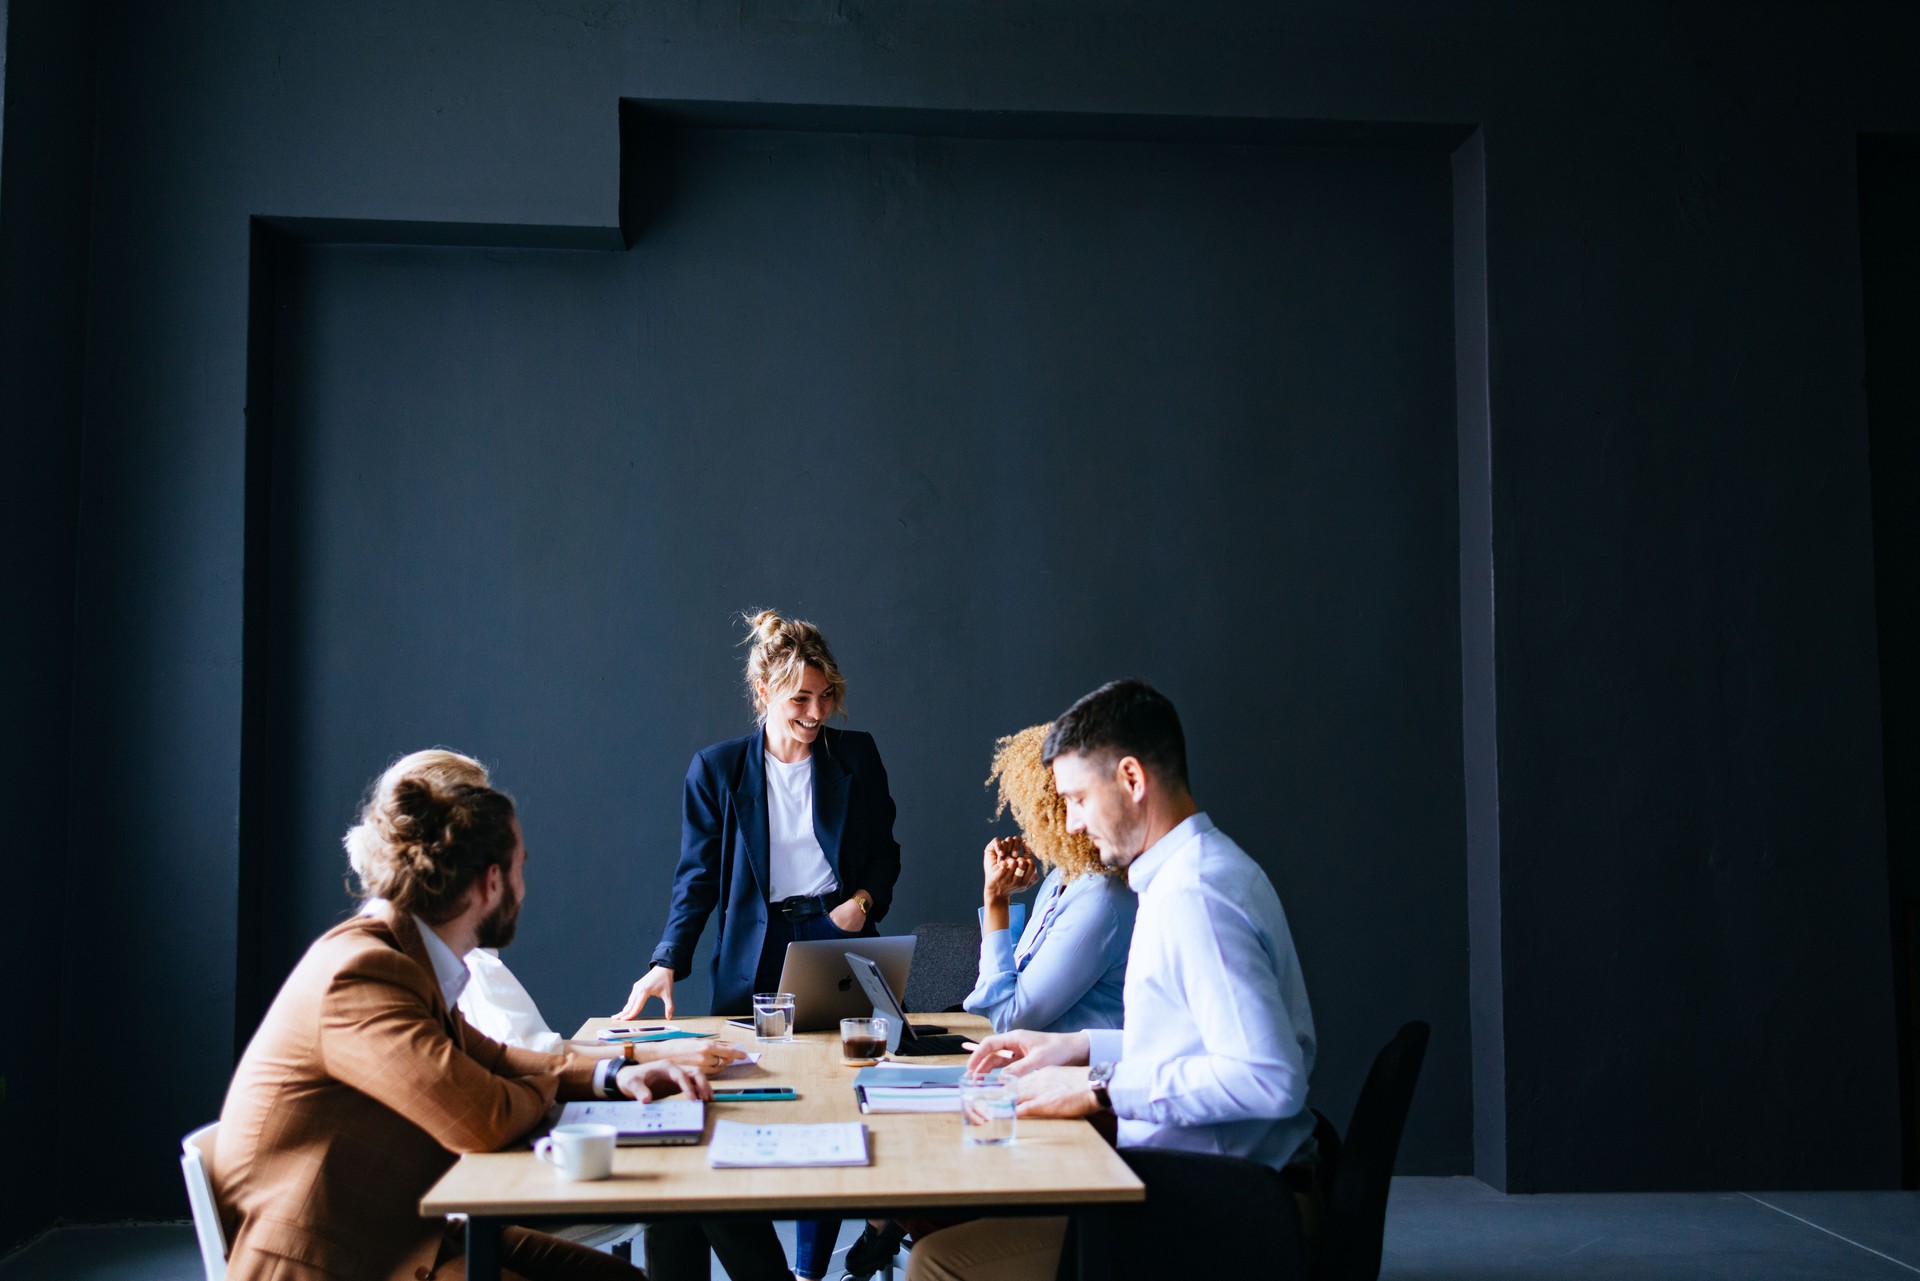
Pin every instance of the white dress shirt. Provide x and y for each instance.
(448, 968)
(795, 862)
(447, 965)
(1218, 1042)
(500, 1007)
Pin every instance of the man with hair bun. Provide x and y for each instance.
(1218, 1039)
(364, 1082)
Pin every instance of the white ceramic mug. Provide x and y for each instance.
(580, 1152)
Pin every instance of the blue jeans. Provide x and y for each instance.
(813, 1242)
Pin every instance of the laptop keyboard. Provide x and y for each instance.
(922, 1046)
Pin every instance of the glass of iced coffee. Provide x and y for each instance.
(863, 1042)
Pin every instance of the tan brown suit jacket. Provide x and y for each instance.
(356, 1094)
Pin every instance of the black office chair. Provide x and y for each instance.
(1234, 1216)
(1216, 1216)
(1358, 1171)
(946, 963)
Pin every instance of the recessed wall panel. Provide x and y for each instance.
(1008, 419)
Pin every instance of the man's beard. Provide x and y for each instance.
(497, 929)
(1124, 844)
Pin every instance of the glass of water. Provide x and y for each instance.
(773, 1016)
(987, 1103)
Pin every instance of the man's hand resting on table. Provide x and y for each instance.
(649, 1081)
(1057, 1092)
(1030, 1051)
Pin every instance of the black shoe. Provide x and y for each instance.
(874, 1250)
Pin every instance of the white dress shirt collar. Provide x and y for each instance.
(447, 966)
(1141, 871)
(448, 969)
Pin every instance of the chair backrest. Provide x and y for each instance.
(1357, 1197)
(196, 1164)
(946, 963)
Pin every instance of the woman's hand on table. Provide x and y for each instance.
(657, 981)
(1029, 1052)
(649, 1081)
(708, 1057)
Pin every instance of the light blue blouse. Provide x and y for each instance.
(1070, 966)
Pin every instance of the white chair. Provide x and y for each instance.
(196, 1164)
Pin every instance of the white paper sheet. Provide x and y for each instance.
(737, 1145)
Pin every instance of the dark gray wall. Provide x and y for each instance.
(1006, 418)
(45, 164)
(1890, 252)
(1691, 859)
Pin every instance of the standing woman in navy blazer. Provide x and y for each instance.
(788, 831)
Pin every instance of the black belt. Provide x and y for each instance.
(804, 907)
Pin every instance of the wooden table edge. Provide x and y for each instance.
(784, 1207)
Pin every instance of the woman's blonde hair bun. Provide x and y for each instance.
(779, 650)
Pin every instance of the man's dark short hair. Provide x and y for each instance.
(1122, 718)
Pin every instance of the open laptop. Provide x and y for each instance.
(824, 989)
(908, 1040)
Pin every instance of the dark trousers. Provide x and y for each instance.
(527, 1255)
(748, 1250)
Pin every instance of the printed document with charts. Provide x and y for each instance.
(739, 1145)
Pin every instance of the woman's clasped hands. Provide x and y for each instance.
(1008, 867)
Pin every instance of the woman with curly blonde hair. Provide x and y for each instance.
(1069, 966)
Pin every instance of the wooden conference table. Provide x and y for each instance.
(919, 1164)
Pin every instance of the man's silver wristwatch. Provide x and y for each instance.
(1097, 1077)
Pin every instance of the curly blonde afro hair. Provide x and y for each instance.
(1026, 788)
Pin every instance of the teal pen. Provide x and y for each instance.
(756, 1094)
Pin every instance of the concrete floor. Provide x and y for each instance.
(1437, 1230)
(1462, 1230)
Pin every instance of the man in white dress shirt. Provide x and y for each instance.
(1218, 1039)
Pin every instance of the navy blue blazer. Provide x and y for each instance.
(723, 849)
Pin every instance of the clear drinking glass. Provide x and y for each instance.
(863, 1042)
(773, 1016)
(987, 1103)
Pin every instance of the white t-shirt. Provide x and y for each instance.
(794, 858)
